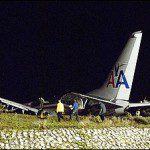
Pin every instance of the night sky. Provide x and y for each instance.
(51, 48)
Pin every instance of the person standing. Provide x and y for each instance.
(102, 111)
(70, 111)
(60, 110)
(75, 110)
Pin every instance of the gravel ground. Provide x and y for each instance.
(106, 138)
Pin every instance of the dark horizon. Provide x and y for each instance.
(52, 48)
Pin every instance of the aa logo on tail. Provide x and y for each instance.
(119, 76)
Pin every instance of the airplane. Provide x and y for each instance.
(114, 93)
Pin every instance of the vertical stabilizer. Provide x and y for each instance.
(119, 82)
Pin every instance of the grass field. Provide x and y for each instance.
(26, 122)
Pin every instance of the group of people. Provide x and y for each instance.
(74, 110)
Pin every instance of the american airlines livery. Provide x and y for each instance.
(115, 91)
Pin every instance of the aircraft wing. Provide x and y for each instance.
(94, 100)
(18, 105)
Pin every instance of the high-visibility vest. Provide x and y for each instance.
(60, 107)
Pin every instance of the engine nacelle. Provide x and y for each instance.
(124, 105)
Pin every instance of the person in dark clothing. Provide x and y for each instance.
(102, 111)
(70, 111)
(75, 110)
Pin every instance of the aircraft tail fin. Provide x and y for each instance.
(119, 82)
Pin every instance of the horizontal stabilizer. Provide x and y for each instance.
(139, 105)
